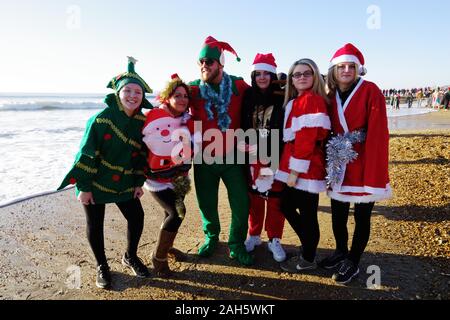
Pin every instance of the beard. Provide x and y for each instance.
(210, 77)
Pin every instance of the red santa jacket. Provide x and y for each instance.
(365, 179)
(234, 110)
(306, 128)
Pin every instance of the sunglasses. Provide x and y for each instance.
(208, 61)
(306, 74)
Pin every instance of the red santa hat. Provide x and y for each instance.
(155, 114)
(349, 53)
(265, 62)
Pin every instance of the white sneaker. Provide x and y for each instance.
(252, 242)
(277, 250)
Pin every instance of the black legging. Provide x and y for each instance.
(166, 200)
(95, 217)
(304, 222)
(363, 212)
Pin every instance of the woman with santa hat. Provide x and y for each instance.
(302, 166)
(262, 111)
(167, 134)
(357, 157)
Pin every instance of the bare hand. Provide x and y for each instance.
(86, 198)
(138, 193)
(292, 180)
(241, 146)
(253, 150)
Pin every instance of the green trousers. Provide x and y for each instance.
(207, 180)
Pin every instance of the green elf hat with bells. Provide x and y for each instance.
(130, 76)
(214, 49)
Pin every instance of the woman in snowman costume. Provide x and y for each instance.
(167, 134)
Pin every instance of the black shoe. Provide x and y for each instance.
(333, 260)
(103, 277)
(136, 265)
(346, 272)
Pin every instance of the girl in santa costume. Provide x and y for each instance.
(109, 168)
(262, 110)
(357, 157)
(167, 136)
(302, 166)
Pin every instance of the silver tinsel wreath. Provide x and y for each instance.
(340, 152)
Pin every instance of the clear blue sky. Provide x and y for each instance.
(46, 46)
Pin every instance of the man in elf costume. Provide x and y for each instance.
(216, 102)
(109, 168)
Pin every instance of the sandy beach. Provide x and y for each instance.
(43, 245)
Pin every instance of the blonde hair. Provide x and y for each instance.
(170, 88)
(318, 86)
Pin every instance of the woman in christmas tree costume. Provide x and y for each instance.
(357, 157)
(216, 103)
(109, 168)
(169, 161)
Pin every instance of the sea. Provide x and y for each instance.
(40, 136)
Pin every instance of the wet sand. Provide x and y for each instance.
(429, 121)
(43, 244)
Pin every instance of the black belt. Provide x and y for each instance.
(169, 173)
(319, 143)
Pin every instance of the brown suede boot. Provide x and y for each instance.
(159, 256)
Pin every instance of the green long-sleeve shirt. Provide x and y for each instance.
(112, 157)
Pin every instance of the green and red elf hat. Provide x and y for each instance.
(215, 50)
(130, 76)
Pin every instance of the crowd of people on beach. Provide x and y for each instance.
(276, 145)
(427, 97)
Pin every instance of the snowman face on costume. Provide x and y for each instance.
(158, 135)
